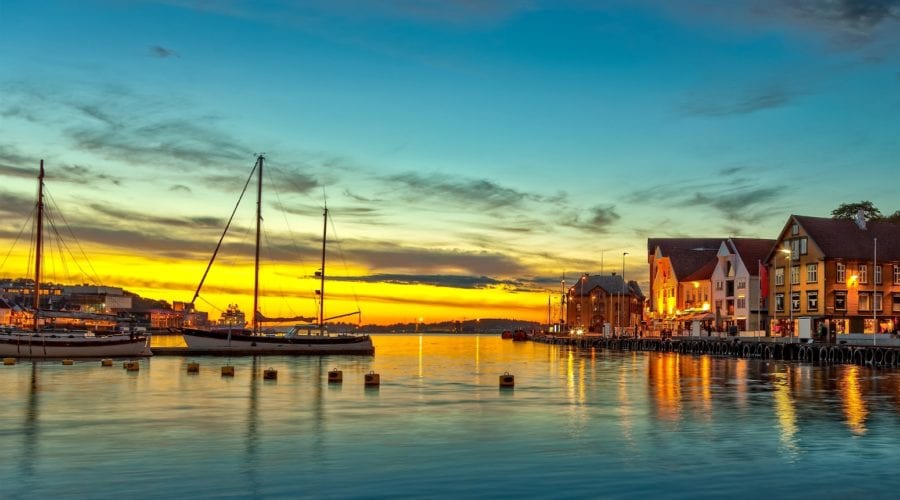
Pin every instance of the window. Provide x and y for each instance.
(795, 228)
(812, 273)
(865, 302)
(779, 302)
(795, 301)
(779, 276)
(842, 272)
(795, 275)
(741, 303)
(840, 301)
(812, 301)
(863, 274)
(896, 306)
(897, 274)
(742, 283)
(718, 285)
(877, 273)
(803, 246)
(877, 301)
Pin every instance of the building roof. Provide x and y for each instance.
(702, 273)
(610, 283)
(688, 256)
(843, 238)
(668, 245)
(752, 251)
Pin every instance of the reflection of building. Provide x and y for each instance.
(596, 301)
(736, 301)
(680, 280)
(843, 274)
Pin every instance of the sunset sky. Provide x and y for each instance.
(472, 153)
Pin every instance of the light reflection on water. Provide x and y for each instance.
(579, 423)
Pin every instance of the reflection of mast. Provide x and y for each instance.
(30, 428)
(252, 439)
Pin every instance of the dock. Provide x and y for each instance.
(808, 352)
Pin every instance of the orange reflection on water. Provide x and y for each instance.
(665, 380)
(705, 391)
(786, 413)
(855, 410)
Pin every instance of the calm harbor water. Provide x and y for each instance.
(578, 424)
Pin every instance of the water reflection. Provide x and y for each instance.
(251, 438)
(855, 410)
(30, 427)
(786, 413)
(664, 372)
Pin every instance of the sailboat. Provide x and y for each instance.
(45, 341)
(308, 337)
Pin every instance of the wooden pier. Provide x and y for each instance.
(809, 352)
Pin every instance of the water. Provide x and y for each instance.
(579, 424)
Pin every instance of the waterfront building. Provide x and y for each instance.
(680, 283)
(605, 304)
(737, 301)
(838, 276)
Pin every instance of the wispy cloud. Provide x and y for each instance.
(719, 103)
(162, 52)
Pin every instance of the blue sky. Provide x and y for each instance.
(461, 144)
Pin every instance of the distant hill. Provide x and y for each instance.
(489, 325)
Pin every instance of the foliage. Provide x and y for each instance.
(849, 210)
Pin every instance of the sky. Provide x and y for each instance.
(472, 154)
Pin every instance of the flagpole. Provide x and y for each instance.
(759, 295)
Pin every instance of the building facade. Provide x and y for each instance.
(605, 304)
(737, 295)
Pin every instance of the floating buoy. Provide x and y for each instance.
(373, 379)
(227, 371)
(106, 362)
(507, 380)
(9, 361)
(335, 376)
(132, 366)
(270, 374)
(68, 362)
(193, 368)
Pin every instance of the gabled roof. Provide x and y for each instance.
(669, 245)
(704, 272)
(842, 238)
(752, 251)
(688, 255)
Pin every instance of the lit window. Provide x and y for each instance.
(842, 272)
(795, 301)
(863, 273)
(795, 275)
(779, 302)
(812, 301)
(779, 276)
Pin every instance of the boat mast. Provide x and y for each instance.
(39, 246)
(322, 274)
(259, 162)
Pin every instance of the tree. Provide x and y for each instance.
(849, 210)
(894, 217)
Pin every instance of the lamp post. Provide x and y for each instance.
(874, 291)
(581, 301)
(790, 277)
(624, 283)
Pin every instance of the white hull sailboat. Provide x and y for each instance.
(42, 342)
(299, 339)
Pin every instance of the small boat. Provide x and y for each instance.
(302, 338)
(520, 335)
(506, 334)
(46, 341)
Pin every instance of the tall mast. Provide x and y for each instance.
(39, 246)
(322, 274)
(259, 181)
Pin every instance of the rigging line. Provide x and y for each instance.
(228, 225)
(337, 241)
(18, 237)
(52, 213)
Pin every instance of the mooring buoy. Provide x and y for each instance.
(227, 371)
(9, 361)
(335, 376)
(507, 380)
(373, 379)
(132, 366)
(270, 374)
(68, 362)
(193, 368)
(106, 362)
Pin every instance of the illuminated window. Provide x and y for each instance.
(779, 276)
(779, 302)
(863, 273)
(795, 301)
(795, 275)
(812, 273)
(842, 272)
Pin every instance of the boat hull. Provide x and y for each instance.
(30, 345)
(242, 342)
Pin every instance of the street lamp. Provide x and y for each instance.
(790, 269)
(622, 296)
(875, 275)
(581, 301)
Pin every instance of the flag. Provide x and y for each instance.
(763, 280)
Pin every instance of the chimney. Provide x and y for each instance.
(860, 219)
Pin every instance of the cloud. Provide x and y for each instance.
(439, 280)
(717, 104)
(387, 257)
(481, 192)
(162, 52)
(597, 219)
